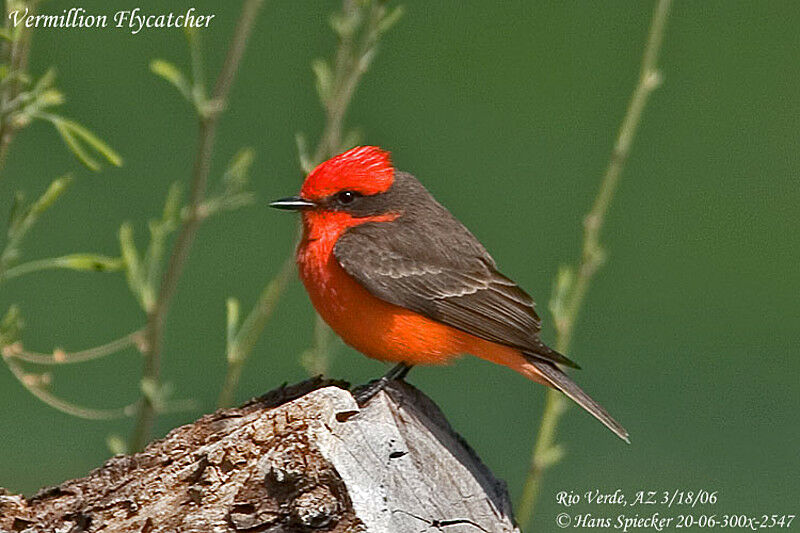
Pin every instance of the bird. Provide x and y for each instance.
(401, 280)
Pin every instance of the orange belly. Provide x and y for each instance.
(373, 327)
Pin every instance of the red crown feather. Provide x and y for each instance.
(364, 169)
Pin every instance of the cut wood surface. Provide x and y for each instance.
(301, 458)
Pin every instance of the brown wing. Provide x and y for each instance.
(440, 270)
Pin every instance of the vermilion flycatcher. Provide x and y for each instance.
(400, 279)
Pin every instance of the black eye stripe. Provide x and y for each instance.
(356, 203)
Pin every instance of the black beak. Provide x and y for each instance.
(292, 203)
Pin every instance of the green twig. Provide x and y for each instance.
(15, 56)
(88, 262)
(573, 284)
(180, 250)
(23, 218)
(22, 101)
(60, 357)
(37, 385)
(241, 342)
(354, 55)
(77, 138)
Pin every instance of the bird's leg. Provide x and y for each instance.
(365, 393)
(399, 371)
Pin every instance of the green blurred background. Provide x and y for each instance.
(507, 111)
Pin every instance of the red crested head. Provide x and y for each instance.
(366, 170)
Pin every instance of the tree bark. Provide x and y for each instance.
(299, 459)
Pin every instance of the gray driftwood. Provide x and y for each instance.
(302, 458)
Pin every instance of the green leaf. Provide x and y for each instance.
(128, 248)
(116, 444)
(134, 272)
(232, 314)
(172, 205)
(22, 77)
(57, 187)
(92, 140)
(159, 230)
(159, 394)
(198, 83)
(82, 262)
(11, 326)
(50, 98)
(75, 135)
(173, 75)
(17, 213)
(258, 317)
(346, 24)
(24, 217)
(550, 456)
(91, 262)
(75, 147)
(45, 82)
(561, 292)
(323, 76)
(391, 19)
(231, 193)
(151, 390)
(235, 177)
(302, 153)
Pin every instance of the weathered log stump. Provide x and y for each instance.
(299, 459)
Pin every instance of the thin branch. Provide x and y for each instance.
(35, 387)
(22, 224)
(244, 28)
(60, 357)
(241, 345)
(85, 262)
(180, 251)
(546, 452)
(352, 61)
(16, 57)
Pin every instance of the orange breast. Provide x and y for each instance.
(376, 328)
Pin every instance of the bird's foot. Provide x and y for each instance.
(364, 393)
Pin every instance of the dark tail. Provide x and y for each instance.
(543, 351)
(562, 382)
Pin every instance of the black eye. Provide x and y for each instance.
(346, 197)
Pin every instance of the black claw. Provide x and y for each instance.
(365, 393)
